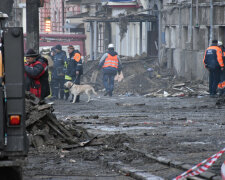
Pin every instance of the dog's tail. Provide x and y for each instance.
(93, 90)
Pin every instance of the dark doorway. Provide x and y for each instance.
(152, 45)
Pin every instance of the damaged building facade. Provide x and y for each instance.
(120, 22)
(177, 31)
(188, 27)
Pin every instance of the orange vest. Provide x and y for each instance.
(111, 61)
(77, 57)
(221, 85)
(218, 53)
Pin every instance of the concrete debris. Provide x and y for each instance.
(144, 76)
(165, 94)
(128, 105)
(179, 94)
(178, 85)
(72, 161)
(45, 130)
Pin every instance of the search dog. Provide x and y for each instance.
(76, 90)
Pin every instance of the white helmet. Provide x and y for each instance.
(111, 46)
(220, 43)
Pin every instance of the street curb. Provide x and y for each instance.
(176, 164)
(133, 172)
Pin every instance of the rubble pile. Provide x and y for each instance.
(143, 76)
(45, 130)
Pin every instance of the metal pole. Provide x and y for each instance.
(6, 6)
(197, 15)
(91, 43)
(159, 30)
(63, 16)
(32, 25)
(190, 25)
(211, 21)
(95, 40)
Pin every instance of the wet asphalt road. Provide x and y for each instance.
(186, 130)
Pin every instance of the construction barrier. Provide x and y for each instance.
(202, 167)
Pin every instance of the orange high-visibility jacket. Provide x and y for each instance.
(213, 57)
(111, 61)
(221, 85)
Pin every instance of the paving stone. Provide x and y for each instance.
(130, 170)
(176, 163)
(217, 178)
(163, 160)
(186, 166)
(146, 176)
(208, 175)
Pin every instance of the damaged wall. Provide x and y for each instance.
(187, 34)
(129, 45)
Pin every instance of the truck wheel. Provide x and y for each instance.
(12, 173)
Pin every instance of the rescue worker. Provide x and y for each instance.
(111, 64)
(58, 73)
(221, 85)
(46, 53)
(36, 74)
(213, 61)
(74, 69)
(52, 54)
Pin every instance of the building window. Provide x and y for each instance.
(184, 37)
(196, 41)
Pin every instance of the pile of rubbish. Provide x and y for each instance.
(181, 90)
(44, 129)
(144, 77)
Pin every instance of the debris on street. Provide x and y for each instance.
(155, 123)
(143, 76)
(45, 130)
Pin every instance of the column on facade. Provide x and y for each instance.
(140, 43)
(95, 40)
(91, 41)
(117, 43)
(134, 40)
(32, 16)
(128, 41)
(146, 35)
(160, 29)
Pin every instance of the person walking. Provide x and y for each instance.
(58, 73)
(36, 74)
(111, 64)
(74, 69)
(221, 85)
(213, 62)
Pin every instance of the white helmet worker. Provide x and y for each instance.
(220, 43)
(110, 46)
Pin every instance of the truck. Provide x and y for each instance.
(13, 137)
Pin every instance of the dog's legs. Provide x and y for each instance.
(93, 91)
(89, 98)
(74, 98)
(88, 94)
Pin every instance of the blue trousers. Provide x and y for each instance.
(57, 85)
(214, 78)
(108, 79)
